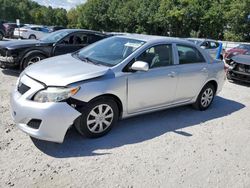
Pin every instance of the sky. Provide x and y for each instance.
(67, 4)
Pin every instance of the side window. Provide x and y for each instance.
(93, 38)
(75, 39)
(188, 54)
(157, 56)
(82, 39)
(214, 45)
(205, 45)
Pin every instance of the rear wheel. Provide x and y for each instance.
(97, 118)
(31, 59)
(205, 97)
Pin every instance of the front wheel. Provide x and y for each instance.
(97, 118)
(205, 97)
(31, 59)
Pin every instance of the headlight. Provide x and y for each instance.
(232, 65)
(55, 94)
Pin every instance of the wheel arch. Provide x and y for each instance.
(28, 53)
(214, 83)
(32, 35)
(116, 99)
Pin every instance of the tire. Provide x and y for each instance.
(31, 59)
(221, 57)
(89, 123)
(205, 98)
(1, 36)
(32, 37)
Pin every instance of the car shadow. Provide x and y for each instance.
(138, 129)
(11, 72)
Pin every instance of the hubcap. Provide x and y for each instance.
(100, 118)
(34, 60)
(207, 97)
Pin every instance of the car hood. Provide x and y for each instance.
(64, 70)
(236, 50)
(242, 59)
(13, 44)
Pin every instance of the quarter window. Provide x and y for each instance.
(188, 54)
(157, 56)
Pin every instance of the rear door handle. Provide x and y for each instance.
(204, 70)
(172, 74)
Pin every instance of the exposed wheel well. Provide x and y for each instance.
(117, 100)
(214, 83)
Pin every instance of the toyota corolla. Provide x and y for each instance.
(115, 78)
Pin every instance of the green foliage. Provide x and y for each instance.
(180, 18)
(31, 12)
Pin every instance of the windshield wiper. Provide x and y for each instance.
(87, 59)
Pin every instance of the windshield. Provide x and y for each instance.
(244, 46)
(110, 51)
(55, 36)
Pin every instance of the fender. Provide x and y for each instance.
(29, 53)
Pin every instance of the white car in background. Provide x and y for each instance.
(31, 32)
(209, 45)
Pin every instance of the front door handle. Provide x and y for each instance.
(172, 74)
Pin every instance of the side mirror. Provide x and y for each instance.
(140, 66)
(203, 47)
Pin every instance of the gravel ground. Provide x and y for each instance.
(179, 147)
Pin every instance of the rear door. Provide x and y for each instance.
(193, 72)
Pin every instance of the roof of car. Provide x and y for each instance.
(201, 39)
(85, 30)
(154, 38)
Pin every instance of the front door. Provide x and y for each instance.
(156, 87)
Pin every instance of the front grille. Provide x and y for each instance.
(34, 123)
(2, 52)
(242, 68)
(240, 77)
(22, 88)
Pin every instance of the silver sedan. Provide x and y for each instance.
(118, 77)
